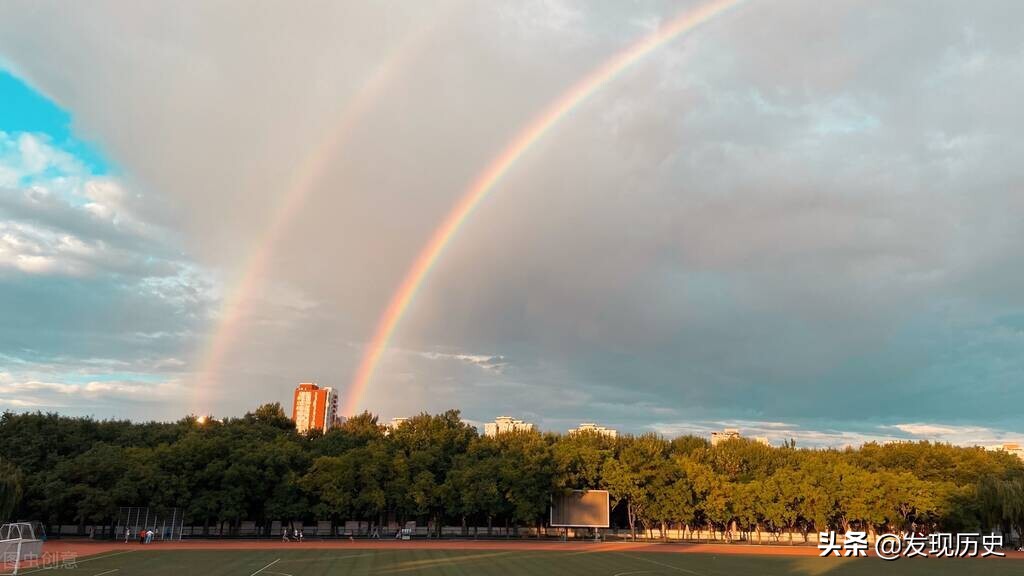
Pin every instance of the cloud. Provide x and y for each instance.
(98, 305)
(121, 398)
(797, 214)
(490, 363)
(122, 390)
(840, 434)
(36, 251)
(57, 218)
(967, 435)
(27, 157)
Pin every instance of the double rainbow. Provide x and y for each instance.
(501, 164)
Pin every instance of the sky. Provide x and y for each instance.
(801, 219)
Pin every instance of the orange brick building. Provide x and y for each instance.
(314, 407)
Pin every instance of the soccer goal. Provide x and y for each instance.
(18, 542)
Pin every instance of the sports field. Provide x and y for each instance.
(511, 558)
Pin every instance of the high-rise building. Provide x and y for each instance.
(503, 424)
(314, 407)
(591, 427)
(727, 434)
(394, 424)
(732, 433)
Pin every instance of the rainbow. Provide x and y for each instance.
(238, 300)
(497, 168)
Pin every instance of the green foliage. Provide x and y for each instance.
(580, 459)
(271, 415)
(437, 468)
(472, 487)
(634, 473)
(10, 489)
(525, 474)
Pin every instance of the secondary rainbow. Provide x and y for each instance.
(238, 299)
(486, 180)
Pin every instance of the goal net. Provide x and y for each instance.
(18, 542)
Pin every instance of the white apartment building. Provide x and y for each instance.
(503, 424)
(393, 424)
(727, 434)
(731, 433)
(591, 427)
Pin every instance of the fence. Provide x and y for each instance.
(166, 524)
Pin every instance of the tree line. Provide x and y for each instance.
(439, 470)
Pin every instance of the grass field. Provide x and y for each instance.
(336, 562)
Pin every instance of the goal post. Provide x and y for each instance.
(18, 542)
(10, 556)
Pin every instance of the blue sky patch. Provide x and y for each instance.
(24, 109)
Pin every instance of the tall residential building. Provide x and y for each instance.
(314, 407)
(727, 434)
(591, 427)
(503, 424)
(394, 424)
(731, 433)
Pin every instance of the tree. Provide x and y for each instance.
(425, 449)
(689, 445)
(672, 496)
(355, 432)
(1012, 496)
(437, 468)
(1001, 503)
(579, 459)
(471, 488)
(526, 473)
(272, 415)
(10, 488)
(632, 474)
(331, 480)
